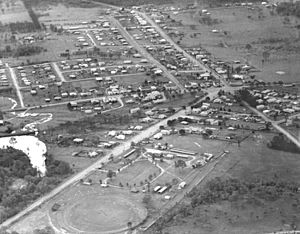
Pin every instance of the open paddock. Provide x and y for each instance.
(13, 11)
(53, 45)
(66, 15)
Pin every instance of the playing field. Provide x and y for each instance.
(94, 210)
(136, 173)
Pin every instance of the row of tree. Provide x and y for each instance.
(289, 8)
(245, 95)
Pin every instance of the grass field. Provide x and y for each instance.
(136, 173)
(61, 14)
(189, 143)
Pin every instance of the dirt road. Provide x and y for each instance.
(144, 52)
(274, 124)
(15, 82)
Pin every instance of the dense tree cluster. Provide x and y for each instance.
(20, 27)
(14, 164)
(28, 5)
(219, 189)
(222, 189)
(27, 50)
(289, 8)
(245, 95)
(280, 142)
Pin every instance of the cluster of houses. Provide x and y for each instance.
(94, 105)
(274, 103)
(89, 62)
(37, 75)
(170, 57)
(142, 31)
(87, 141)
(109, 36)
(99, 72)
(3, 78)
(219, 111)
(156, 114)
(101, 30)
(121, 135)
(82, 41)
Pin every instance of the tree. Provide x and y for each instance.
(181, 163)
(129, 225)
(181, 132)
(248, 47)
(111, 174)
(111, 158)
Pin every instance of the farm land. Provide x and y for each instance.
(148, 106)
(250, 34)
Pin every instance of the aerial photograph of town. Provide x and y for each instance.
(149, 116)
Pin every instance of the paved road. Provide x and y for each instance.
(145, 53)
(15, 82)
(275, 124)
